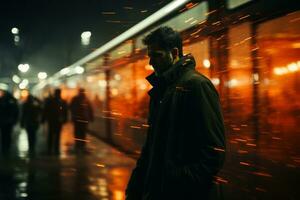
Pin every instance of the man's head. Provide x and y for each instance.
(81, 92)
(2, 92)
(29, 97)
(57, 93)
(164, 48)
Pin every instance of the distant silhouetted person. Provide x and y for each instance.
(97, 103)
(185, 145)
(55, 113)
(8, 118)
(82, 114)
(30, 120)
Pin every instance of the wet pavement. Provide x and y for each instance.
(101, 173)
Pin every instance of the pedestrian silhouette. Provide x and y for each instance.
(81, 114)
(9, 112)
(55, 114)
(97, 103)
(30, 120)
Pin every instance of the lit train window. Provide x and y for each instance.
(94, 64)
(141, 87)
(129, 89)
(189, 18)
(200, 51)
(235, 3)
(96, 86)
(72, 82)
(239, 47)
(279, 61)
(182, 22)
(121, 84)
(239, 81)
(122, 51)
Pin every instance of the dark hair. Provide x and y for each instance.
(57, 92)
(166, 38)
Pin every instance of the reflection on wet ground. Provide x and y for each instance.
(101, 173)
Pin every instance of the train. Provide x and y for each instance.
(249, 49)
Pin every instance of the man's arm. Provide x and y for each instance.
(134, 188)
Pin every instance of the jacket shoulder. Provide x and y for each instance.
(194, 78)
(196, 81)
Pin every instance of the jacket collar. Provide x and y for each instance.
(172, 74)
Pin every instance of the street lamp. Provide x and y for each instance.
(86, 37)
(16, 79)
(15, 31)
(23, 67)
(42, 75)
(23, 84)
(79, 70)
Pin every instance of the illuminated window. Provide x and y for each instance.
(95, 63)
(200, 52)
(240, 77)
(279, 62)
(123, 50)
(189, 18)
(185, 20)
(96, 85)
(235, 3)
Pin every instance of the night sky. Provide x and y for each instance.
(50, 29)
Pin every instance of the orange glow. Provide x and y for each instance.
(290, 68)
(215, 81)
(135, 127)
(233, 83)
(250, 144)
(206, 63)
(264, 174)
(149, 67)
(190, 5)
(118, 195)
(24, 94)
(245, 164)
(219, 149)
(114, 92)
(100, 165)
(221, 180)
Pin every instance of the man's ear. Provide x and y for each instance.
(175, 54)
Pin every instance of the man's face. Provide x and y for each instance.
(160, 59)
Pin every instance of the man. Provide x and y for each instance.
(9, 112)
(55, 113)
(30, 120)
(185, 145)
(82, 114)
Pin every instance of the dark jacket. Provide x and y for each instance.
(31, 112)
(81, 109)
(55, 111)
(9, 110)
(185, 145)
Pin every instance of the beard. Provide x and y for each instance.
(163, 66)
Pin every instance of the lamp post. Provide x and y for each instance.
(42, 75)
(15, 31)
(23, 68)
(85, 38)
